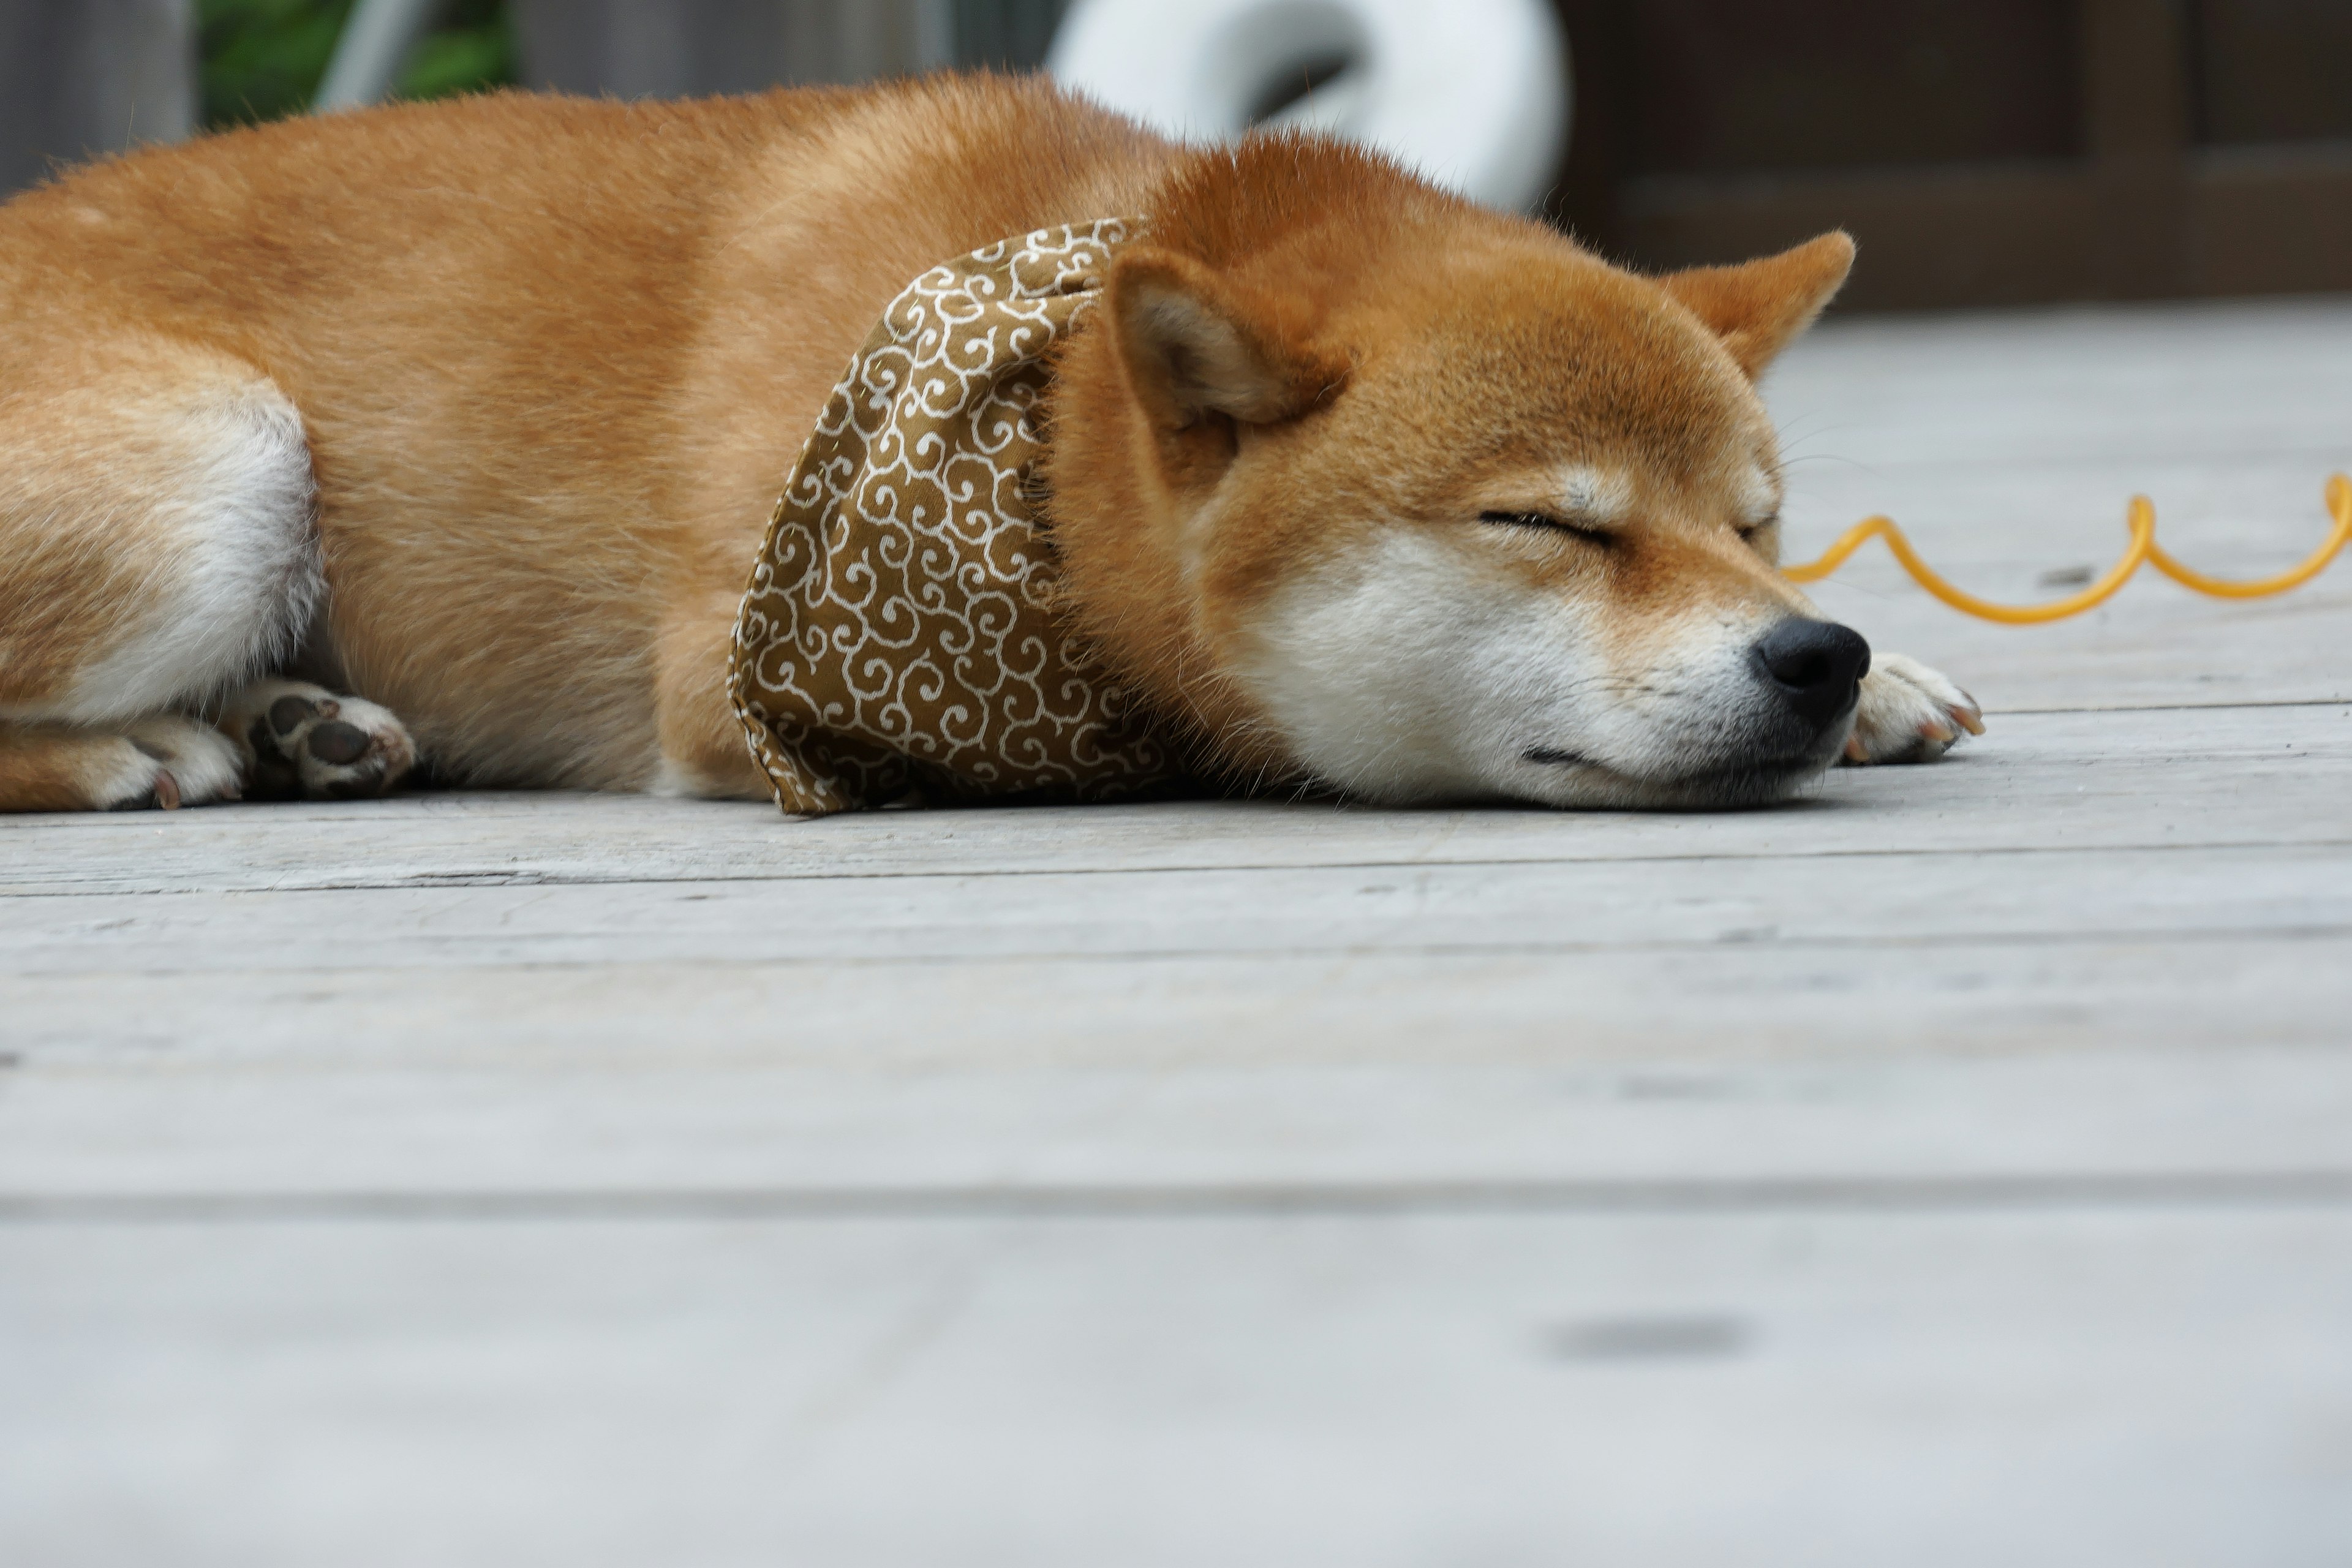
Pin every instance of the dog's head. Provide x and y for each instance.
(1425, 502)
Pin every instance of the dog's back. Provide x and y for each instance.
(550, 358)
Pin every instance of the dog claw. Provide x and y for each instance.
(1909, 714)
(167, 789)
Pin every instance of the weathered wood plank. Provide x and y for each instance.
(2091, 1388)
(1891, 901)
(2007, 446)
(2154, 645)
(1838, 1000)
(1947, 1170)
(2218, 777)
(785, 1115)
(2064, 387)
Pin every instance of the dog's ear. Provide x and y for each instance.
(1759, 306)
(1194, 342)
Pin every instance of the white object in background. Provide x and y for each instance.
(1472, 93)
(373, 45)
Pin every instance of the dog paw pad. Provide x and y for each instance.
(338, 744)
(287, 713)
(309, 744)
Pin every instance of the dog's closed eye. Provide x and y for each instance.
(1546, 520)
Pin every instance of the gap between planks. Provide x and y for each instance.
(2070, 1190)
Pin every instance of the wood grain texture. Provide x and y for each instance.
(1951, 1168)
(1949, 1389)
(2007, 446)
(2277, 775)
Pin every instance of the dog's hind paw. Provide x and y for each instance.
(304, 742)
(1909, 714)
(168, 761)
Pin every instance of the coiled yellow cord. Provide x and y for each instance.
(2141, 519)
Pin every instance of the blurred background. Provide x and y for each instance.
(1986, 152)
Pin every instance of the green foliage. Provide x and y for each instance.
(473, 51)
(265, 59)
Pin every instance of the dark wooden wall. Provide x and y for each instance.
(1985, 152)
(1982, 151)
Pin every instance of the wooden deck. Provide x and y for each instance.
(1954, 1168)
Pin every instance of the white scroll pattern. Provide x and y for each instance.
(901, 628)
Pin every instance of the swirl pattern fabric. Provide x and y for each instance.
(900, 630)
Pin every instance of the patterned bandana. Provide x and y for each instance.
(901, 627)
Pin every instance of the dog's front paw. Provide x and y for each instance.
(306, 744)
(1909, 714)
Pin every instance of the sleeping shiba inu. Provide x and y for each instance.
(449, 433)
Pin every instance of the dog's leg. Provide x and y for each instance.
(1909, 714)
(163, 761)
(157, 549)
(703, 752)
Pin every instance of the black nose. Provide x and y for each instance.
(1818, 666)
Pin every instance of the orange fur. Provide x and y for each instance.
(551, 358)
(55, 768)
